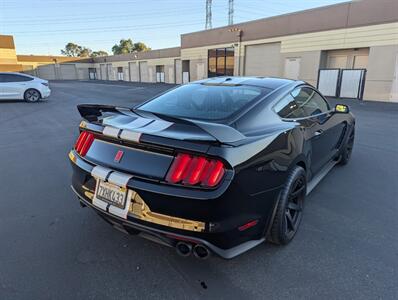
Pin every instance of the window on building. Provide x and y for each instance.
(221, 62)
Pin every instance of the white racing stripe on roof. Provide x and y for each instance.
(111, 131)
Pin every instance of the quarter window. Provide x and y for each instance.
(301, 103)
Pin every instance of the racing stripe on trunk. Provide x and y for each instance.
(111, 131)
(130, 136)
(120, 179)
(101, 173)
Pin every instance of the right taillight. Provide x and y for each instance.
(195, 170)
(84, 142)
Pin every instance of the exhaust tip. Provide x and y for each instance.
(201, 252)
(183, 249)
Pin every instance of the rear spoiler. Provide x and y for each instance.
(222, 133)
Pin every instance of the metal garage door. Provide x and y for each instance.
(352, 83)
(133, 69)
(143, 66)
(394, 88)
(47, 72)
(170, 74)
(178, 68)
(68, 72)
(103, 72)
(109, 72)
(328, 81)
(263, 60)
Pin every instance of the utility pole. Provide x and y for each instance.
(208, 14)
(231, 12)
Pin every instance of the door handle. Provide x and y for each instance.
(318, 132)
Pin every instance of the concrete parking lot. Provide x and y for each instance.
(51, 248)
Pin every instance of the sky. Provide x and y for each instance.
(46, 26)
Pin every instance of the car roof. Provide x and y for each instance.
(266, 82)
(16, 73)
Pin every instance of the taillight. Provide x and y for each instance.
(195, 170)
(84, 142)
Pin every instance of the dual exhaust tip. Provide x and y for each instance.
(199, 251)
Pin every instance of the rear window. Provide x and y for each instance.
(205, 102)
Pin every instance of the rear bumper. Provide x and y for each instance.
(219, 216)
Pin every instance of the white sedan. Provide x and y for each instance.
(23, 87)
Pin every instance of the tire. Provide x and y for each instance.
(347, 149)
(290, 207)
(32, 95)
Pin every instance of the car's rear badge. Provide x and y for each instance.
(118, 156)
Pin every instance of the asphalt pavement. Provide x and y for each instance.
(51, 248)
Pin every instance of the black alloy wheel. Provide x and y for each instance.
(290, 208)
(347, 151)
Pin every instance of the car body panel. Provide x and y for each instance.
(15, 90)
(257, 147)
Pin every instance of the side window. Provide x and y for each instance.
(288, 108)
(15, 78)
(310, 101)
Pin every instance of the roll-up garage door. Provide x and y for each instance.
(133, 68)
(178, 68)
(103, 72)
(47, 72)
(144, 71)
(68, 72)
(263, 60)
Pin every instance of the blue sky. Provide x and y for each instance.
(45, 26)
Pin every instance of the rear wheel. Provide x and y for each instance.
(32, 95)
(347, 150)
(290, 207)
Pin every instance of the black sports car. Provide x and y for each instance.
(218, 165)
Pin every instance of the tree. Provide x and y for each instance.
(127, 46)
(75, 50)
(71, 49)
(85, 52)
(99, 53)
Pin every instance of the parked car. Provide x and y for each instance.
(218, 165)
(23, 87)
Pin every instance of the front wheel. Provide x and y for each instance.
(347, 150)
(32, 95)
(290, 207)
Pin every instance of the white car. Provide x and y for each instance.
(23, 87)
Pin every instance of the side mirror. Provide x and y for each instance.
(342, 109)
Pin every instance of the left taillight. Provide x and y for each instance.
(193, 170)
(84, 142)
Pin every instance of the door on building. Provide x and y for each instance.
(120, 75)
(160, 73)
(103, 72)
(352, 83)
(394, 88)
(263, 60)
(109, 75)
(143, 70)
(292, 68)
(68, 71)
(185, 71)
(133, 71)
(92, 73)
(178, 71)
(220, 62)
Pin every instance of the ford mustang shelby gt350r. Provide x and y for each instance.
(215, 166)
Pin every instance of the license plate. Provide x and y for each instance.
(112, 194)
